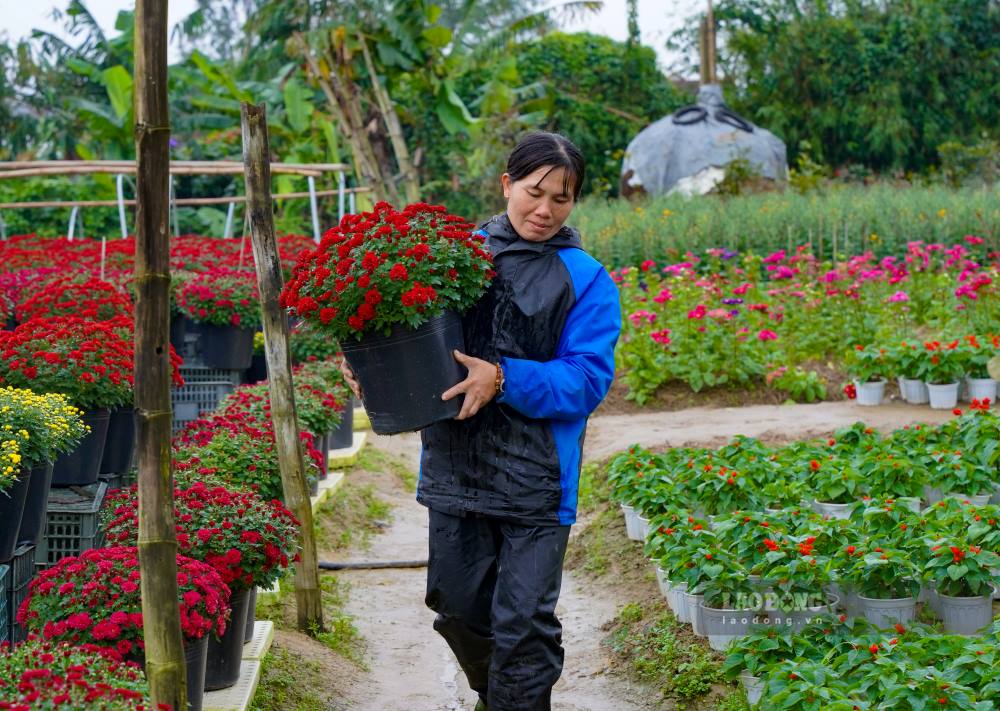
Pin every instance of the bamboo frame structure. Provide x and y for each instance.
(29, 169)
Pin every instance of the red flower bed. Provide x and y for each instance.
(94, 599)
(39, 674)
(236, 450)
(92, 299)
(222, 297)
(90, 362)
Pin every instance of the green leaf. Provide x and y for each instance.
(118, 83)
(955, 572)
(432, 13)
(437, 36)
(298, 105)
(453, 113)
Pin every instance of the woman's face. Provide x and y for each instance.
(537, 205)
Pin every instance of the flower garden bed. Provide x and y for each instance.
(747, 321)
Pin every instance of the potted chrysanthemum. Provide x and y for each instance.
(225, 305)
(389, 286)
(247, 539)
(88, 361)
(95, 599)
(34, 430)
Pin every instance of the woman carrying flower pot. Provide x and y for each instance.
(500, 479)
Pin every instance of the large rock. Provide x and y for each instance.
(689, 150)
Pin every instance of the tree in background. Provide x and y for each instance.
(881, 83)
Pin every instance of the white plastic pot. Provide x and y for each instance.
(887, 612)
(943, 397)
(754, 688)
(870, 394)
(828, 510)
(631, 522)
(643, 527)
(981, 388)
(694, 612)
(913, 391)
(965, 615)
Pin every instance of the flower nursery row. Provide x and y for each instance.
(929, 372)
(724, 318)
(751, 544)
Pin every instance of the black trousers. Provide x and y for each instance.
(495, 586)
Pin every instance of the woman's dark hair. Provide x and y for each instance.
(540, 149)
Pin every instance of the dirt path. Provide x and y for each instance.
(608, 434)
(412, 668)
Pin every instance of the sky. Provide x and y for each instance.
(657, 19)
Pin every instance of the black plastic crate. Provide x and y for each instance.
(22, 568)
(21, 571)
(16, 632)
(71, 525)
(203, 390)
(119, 481)
(5, 614)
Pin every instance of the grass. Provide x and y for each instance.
(288, 683)
(882, 217)
(374, 460)
(355, 512)
(661, 652)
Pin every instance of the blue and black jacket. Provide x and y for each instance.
(551, 317)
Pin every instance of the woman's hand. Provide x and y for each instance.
(349, 378)
(479, 385)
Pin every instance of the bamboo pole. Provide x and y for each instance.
(279, 362)
(180, 202)
(165, 668)
(218, 169)
(411, 182)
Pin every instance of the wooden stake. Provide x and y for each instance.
(279, 361)
(165, 668)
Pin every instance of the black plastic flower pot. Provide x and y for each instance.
(178, 330)
(257, 372)
(322, 444)
(343, 436)
(225, 347)
(251, 617)
(82, 466)
(120, 443)
(195, 659)
(11, 508)
(36, 505)
(403, 375)
(224, 655)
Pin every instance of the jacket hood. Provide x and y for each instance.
(502, 237)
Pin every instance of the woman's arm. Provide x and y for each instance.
(572, 385)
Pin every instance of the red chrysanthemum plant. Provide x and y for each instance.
(379, 269)
(248, 540)
(95, 599)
